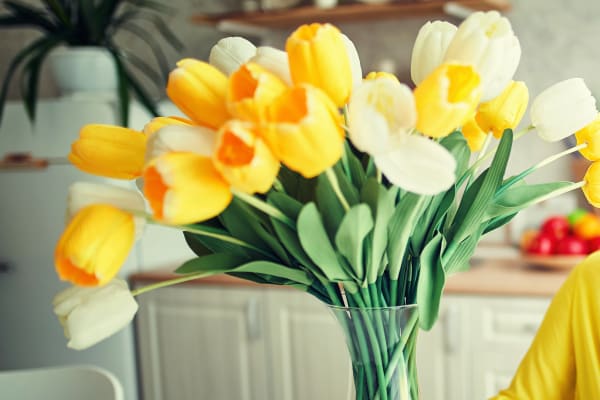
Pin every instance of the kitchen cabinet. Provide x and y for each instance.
(254, 342)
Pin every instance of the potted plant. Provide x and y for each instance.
(88, 28)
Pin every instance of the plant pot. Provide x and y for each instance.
(382, 343)
(79, 70)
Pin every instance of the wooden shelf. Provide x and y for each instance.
(348, 12)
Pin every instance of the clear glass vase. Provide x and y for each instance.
(382, 344)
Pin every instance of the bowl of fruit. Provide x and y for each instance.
(562, 241)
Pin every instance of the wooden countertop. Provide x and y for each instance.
(491, 277)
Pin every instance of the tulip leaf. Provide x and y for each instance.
(316, 244)
(432, 279)
(457, 260)
(355, 226)
(456, 144)
(330, 206)
(219, 263)
(381, 202)
(477, 197)
(357, 172)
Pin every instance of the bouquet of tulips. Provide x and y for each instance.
(290, 168)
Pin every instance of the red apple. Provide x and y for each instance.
(542, 244)
(593, 244)
(557, 226)
(571, 245)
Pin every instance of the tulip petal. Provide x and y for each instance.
(355, 67)
(160, 122)
(429, 48)
(418, 164)
(274, 60)
(230, 53)
(180, 138)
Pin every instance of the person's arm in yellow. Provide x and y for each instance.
(563, 362)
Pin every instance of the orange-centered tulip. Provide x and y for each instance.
(94, 245)
(110, 151)
(244, 159)
(184, 188)
(251, 89)
(318, 56)
(446, 98)
(199, 90)
(305, 131)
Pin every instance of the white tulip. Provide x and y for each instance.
(430, 48)
(274, 60)
(83, 194)
(381, 116)
(230, 53)
(378, 110)
(418, 164)
(193, 139)
(486, 41)
(355, 67)
(91, 314)
(563, 109)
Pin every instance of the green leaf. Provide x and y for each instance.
(34, 15)
(381, 202)
(355, 226)
(219, 263)
(357, 172)
(296, 185)
(432, 279)
(285, 203)
(477, 197)
(328, 203)
(456, 144)
(317, 245)
(401, 226)
(457, 260)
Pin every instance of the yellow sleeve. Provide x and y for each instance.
(563, 362)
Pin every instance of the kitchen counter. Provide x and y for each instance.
(494, 277)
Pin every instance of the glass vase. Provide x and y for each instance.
(382, 344)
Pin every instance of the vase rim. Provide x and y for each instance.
(386, 308)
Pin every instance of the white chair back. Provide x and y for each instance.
(73, 382)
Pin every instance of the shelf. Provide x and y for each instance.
(349, 12)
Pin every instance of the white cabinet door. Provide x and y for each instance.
(308, 350)
(202, 343)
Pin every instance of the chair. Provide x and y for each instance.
(72, 382)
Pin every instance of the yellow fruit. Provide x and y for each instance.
(587, 226)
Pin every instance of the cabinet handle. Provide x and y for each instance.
(253, 319)
(452, 323)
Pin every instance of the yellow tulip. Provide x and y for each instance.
(381, 74)
(474, 135)
(94, 245)
(591, 136)
(110, 151)
(591, 187)
(504, 111)
(244, 159)
(318, 56)
(160, 122)
(251, 89)
(446, 99)
(305, 131)
(199, 90)
(184, 188)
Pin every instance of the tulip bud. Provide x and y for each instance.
(275, 61)
(486, 41)
(160, 122)
(90, 315)
(183, 188)
(109, 151)
(251, 89)
(430, 48)
(199, 90)
(504, 111)
(230, 53)
(591, 187)
(590, 135)
(94, 245)
(305, 130)
(244, 159)
(446, 99)
(563, 109)
(319, 57)
(83, 194)
(191, 139)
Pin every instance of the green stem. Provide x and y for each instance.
(336, 188)
(170, 282)
(264, 207)
(397, 354)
